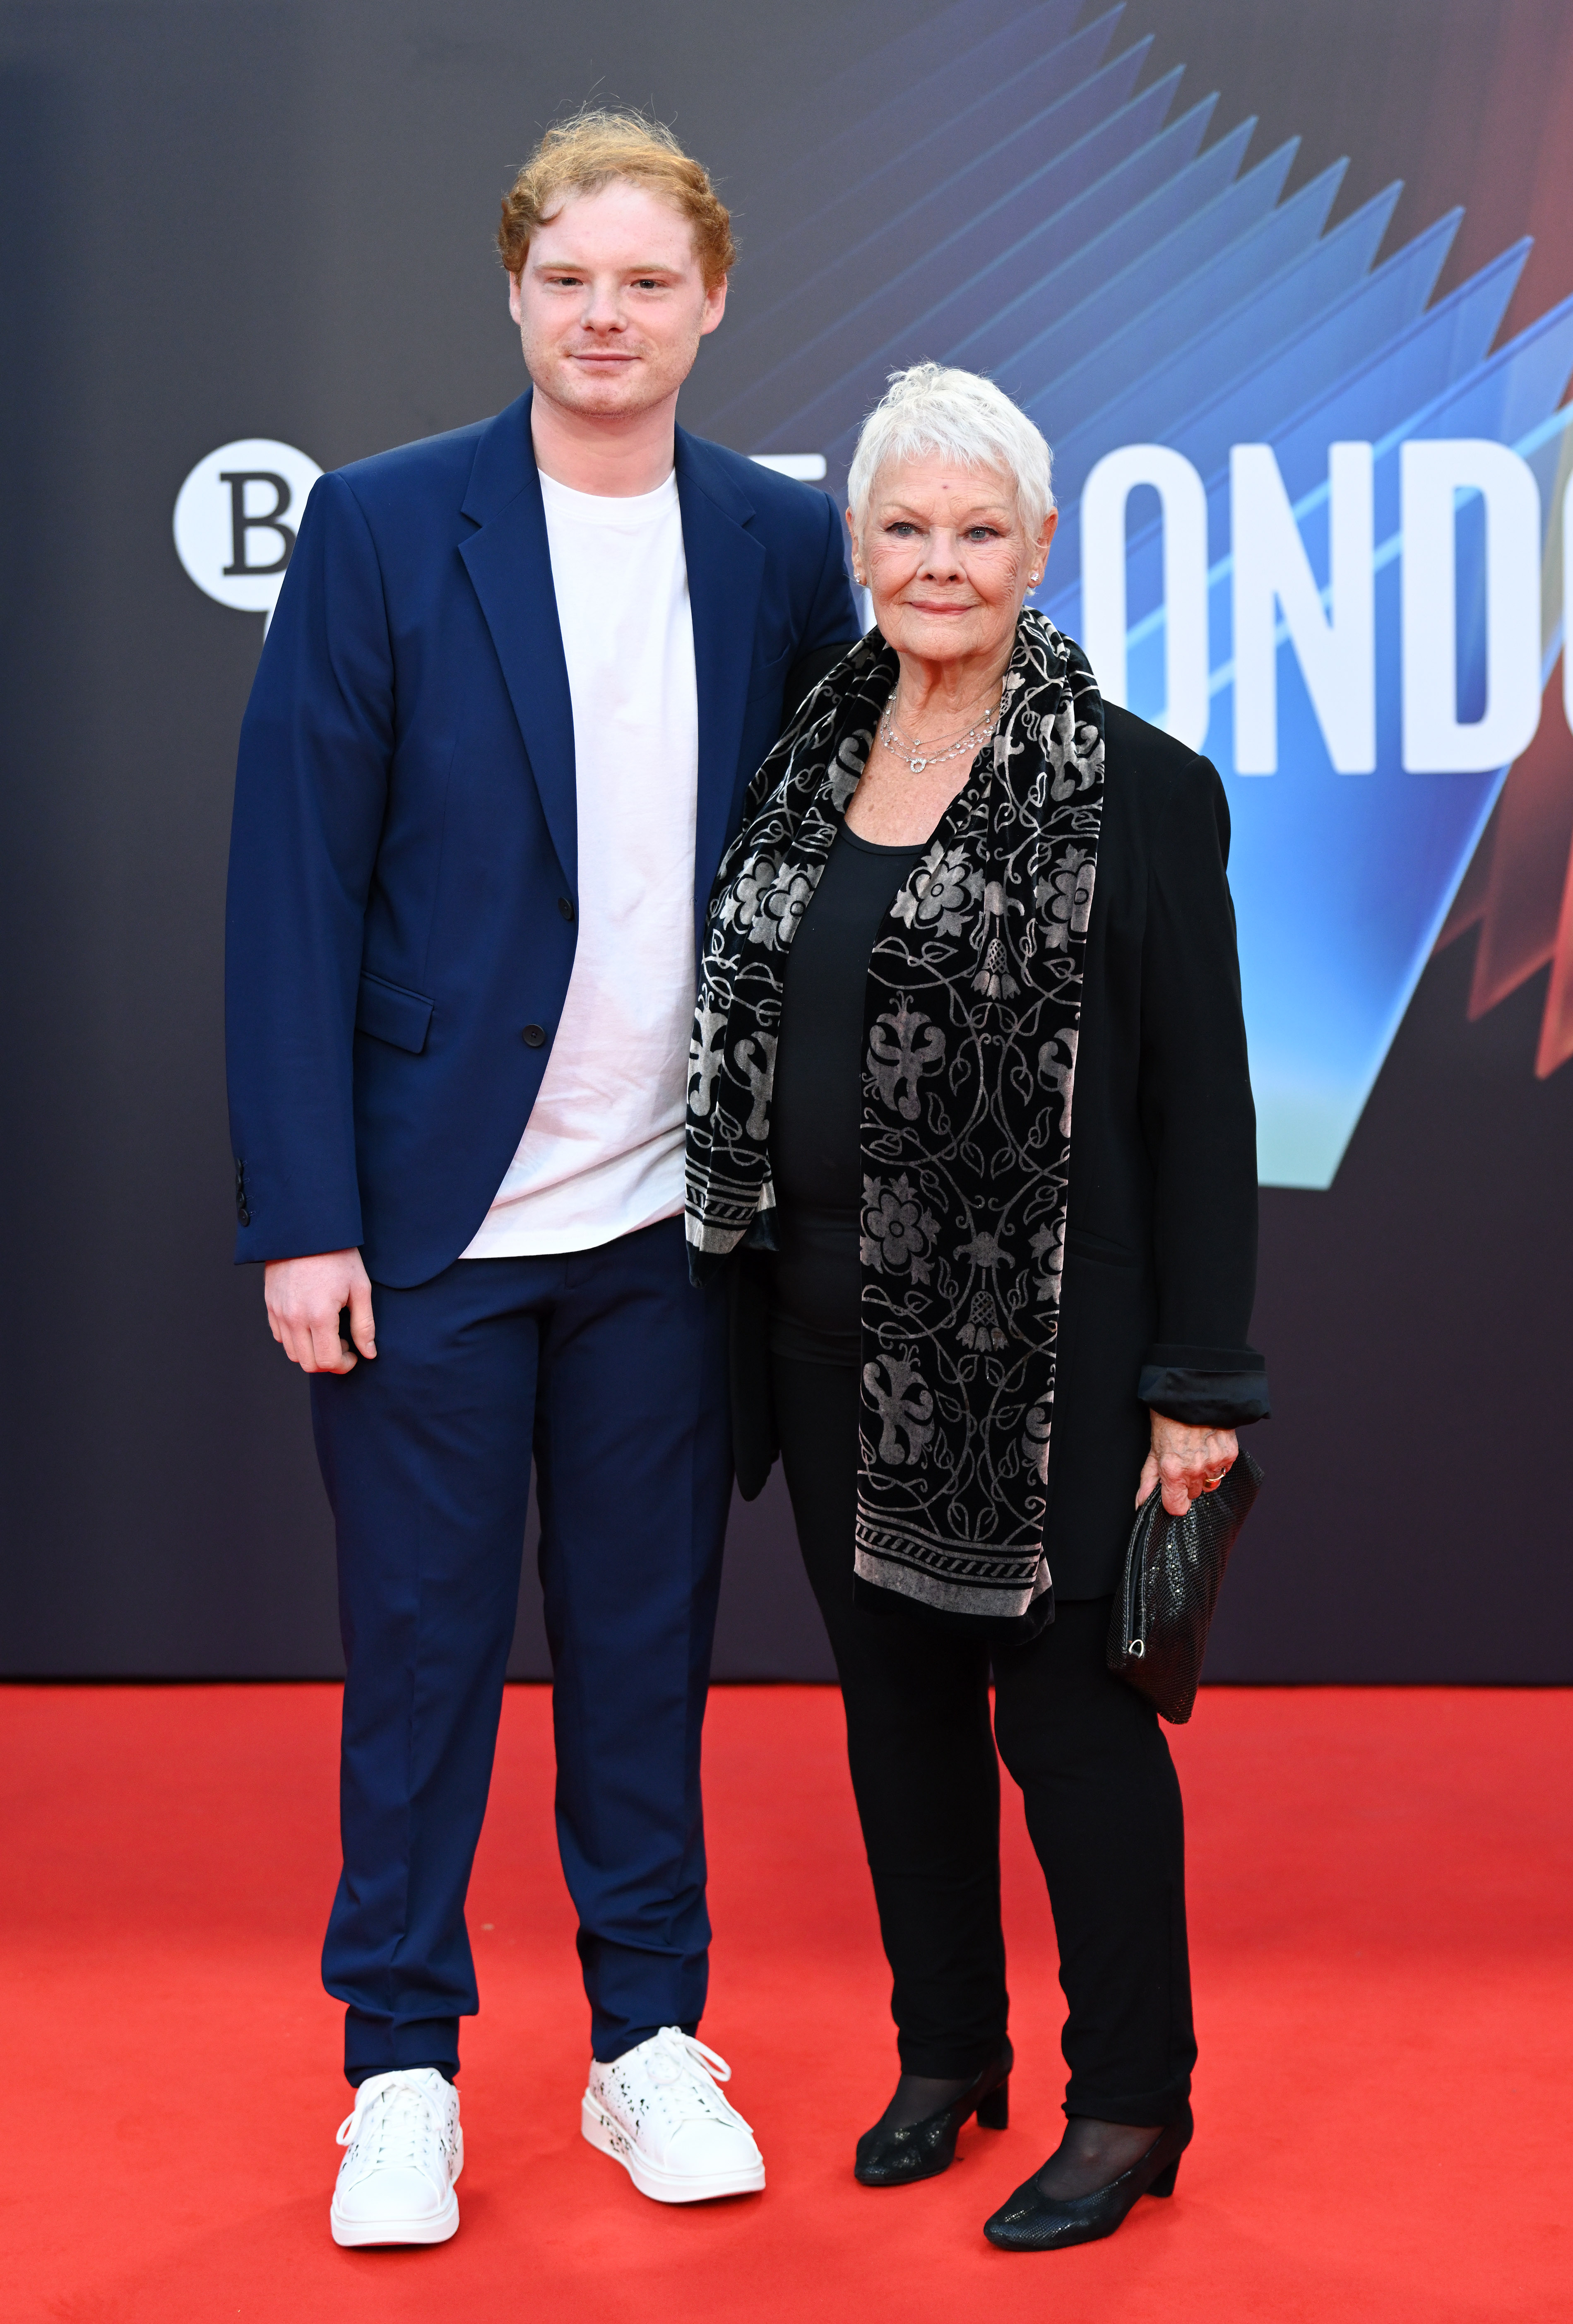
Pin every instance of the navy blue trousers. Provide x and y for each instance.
(614, 1370)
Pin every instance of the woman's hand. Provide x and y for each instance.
(1186, 1461)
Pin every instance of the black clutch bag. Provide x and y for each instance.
(1174, 1570)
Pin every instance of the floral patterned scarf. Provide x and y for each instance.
(972, 1010)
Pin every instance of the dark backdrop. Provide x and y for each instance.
(234, 218)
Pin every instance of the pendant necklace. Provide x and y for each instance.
(919, 763)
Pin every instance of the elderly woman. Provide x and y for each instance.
(965, 889)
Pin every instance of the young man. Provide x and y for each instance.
(516, 685)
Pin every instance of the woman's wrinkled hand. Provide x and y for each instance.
(1186, 1462)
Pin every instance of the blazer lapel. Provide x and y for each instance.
(726, 566)
(508, 561)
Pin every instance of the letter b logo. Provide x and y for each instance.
(236, 518)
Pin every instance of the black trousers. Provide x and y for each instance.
(1101, 1795)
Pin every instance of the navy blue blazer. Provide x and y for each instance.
(403, 885)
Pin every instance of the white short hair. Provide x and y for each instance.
(960, 416)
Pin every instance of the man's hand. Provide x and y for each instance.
(305, 1297)
(1186, 1461)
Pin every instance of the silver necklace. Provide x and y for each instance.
(903, 747)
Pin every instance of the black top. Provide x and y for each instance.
(1161, 1241)
(816, 1106)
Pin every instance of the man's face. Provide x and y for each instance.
(611, 303)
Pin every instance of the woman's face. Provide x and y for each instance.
(947, 559)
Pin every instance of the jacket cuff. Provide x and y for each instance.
(271, 1224)
(1206, 1387)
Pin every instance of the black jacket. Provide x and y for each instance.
(1161, 1241)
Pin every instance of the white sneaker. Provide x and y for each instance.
(656, 2110)
(405, 2149)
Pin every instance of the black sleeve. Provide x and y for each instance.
(1198, 1116)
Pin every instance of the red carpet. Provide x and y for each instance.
(1381, 1926)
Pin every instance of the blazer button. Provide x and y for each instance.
(565, 906)
(534, 1037)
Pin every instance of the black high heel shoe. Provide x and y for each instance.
(1033, 2221)
(922, 2150)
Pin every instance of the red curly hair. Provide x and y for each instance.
(597, 148)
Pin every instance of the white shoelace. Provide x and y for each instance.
(687, 2073)
(397, 2126)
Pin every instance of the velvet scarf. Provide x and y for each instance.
(971, 1017)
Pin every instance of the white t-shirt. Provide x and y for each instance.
(602, 1152)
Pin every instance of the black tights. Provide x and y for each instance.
(1102, 1805)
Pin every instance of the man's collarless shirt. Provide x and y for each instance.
(603, 1153)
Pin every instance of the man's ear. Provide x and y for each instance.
(715, 307)
(513, 284)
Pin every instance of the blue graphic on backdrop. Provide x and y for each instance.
(1019, 206)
